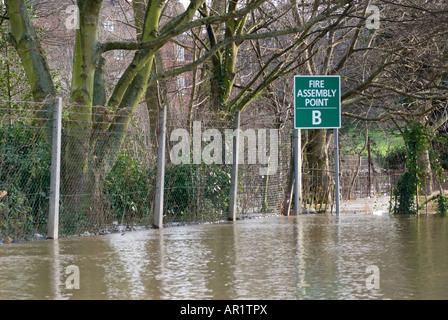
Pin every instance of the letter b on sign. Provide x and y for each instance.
(317, 120)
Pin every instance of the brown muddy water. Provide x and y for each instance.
(302, 257)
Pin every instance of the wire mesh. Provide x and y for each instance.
(196, 188)
(360, 181)
(109, 166)
(25, 161)
(108, 173)
(199, 188)
(260, 192)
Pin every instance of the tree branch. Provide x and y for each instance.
(174, 29)
(387, 116)
(243, 37)
(166, 34)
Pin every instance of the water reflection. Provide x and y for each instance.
(304, 257)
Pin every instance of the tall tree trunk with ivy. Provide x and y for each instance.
(425, 170)
(409, 184)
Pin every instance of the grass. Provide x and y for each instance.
(381, 141)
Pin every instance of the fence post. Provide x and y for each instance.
(160, 179)
(234, 177)
(53, 215)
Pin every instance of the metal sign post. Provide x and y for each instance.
(317, 105)
(297, 170)
(336, 167)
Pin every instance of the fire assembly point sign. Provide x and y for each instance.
(317, 102)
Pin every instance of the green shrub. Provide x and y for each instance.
(409, 182)
(405, 192)
(442, 204)
(196, 191)
(191, 191)
(395, 158)
(25, 162)
(129, 189)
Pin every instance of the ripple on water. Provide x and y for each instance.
(303, 257)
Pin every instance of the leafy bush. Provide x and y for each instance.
(191, 191)
(196, 191)
(442, 204)
(129, 189)
(409, 182)
(395, 158)
(404, 194)
(25, 162)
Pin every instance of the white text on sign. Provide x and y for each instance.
(317, 120)
(317, 92)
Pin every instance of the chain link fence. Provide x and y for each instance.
(108, 175)
(97, 197)
(264, 186)
(198, 188)
(363, 179)
(25, 158)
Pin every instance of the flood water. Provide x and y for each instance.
(303, 257)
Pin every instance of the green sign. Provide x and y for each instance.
(317, 102)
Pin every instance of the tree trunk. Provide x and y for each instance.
(317, 158)
(76, 175)
(223, 62)
(288, 193)
(425, 175)
(90, 150)
(25, 40)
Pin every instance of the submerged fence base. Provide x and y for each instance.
(247, 177)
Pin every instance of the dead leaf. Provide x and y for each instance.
(3, 194)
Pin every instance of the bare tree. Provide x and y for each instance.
(89, 156)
